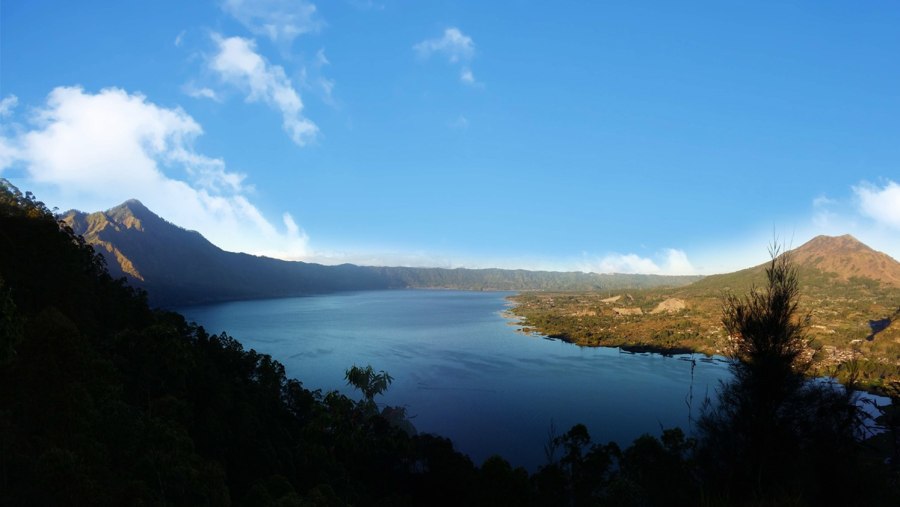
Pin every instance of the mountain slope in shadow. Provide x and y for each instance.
(179, 267)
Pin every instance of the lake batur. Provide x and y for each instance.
(462, 371)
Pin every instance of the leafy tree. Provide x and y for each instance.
(369, 383)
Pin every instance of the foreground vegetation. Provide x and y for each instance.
(105, 401)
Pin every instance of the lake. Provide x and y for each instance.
(462, 371)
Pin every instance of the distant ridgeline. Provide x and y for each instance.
(177, 266)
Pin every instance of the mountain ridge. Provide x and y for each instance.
(847, 257)
(178, 266)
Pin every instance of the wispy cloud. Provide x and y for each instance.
(279, 20)
(179, 39)
(238, 63)
(322, 85)
(7, 104)
(466, 76)
(823, 201)
(457, 47)
(881, 204)
(366, 5)
(461, 122)
(91, 151)
(823, 211)
(8, 151)
(200, 92)
(321, 59)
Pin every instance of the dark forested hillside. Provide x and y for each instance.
(104, 401)
(177, 266)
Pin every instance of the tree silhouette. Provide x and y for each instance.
(777, 434)
(11, 330)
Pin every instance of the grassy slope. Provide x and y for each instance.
(840, 316)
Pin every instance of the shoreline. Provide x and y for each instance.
(624, 344)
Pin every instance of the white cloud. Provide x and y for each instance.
(92, 151)
(456, 46)
(670, 262)
(279, 20)
(864, 210)
(627, 263)
(880, 204)
(238, 64)
(8, 152)
(677, 263)
(7, 104)
(179, 39)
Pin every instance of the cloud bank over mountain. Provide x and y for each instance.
(95, 149)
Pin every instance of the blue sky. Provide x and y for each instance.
(667, 137)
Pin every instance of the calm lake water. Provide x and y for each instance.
(462, 371)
